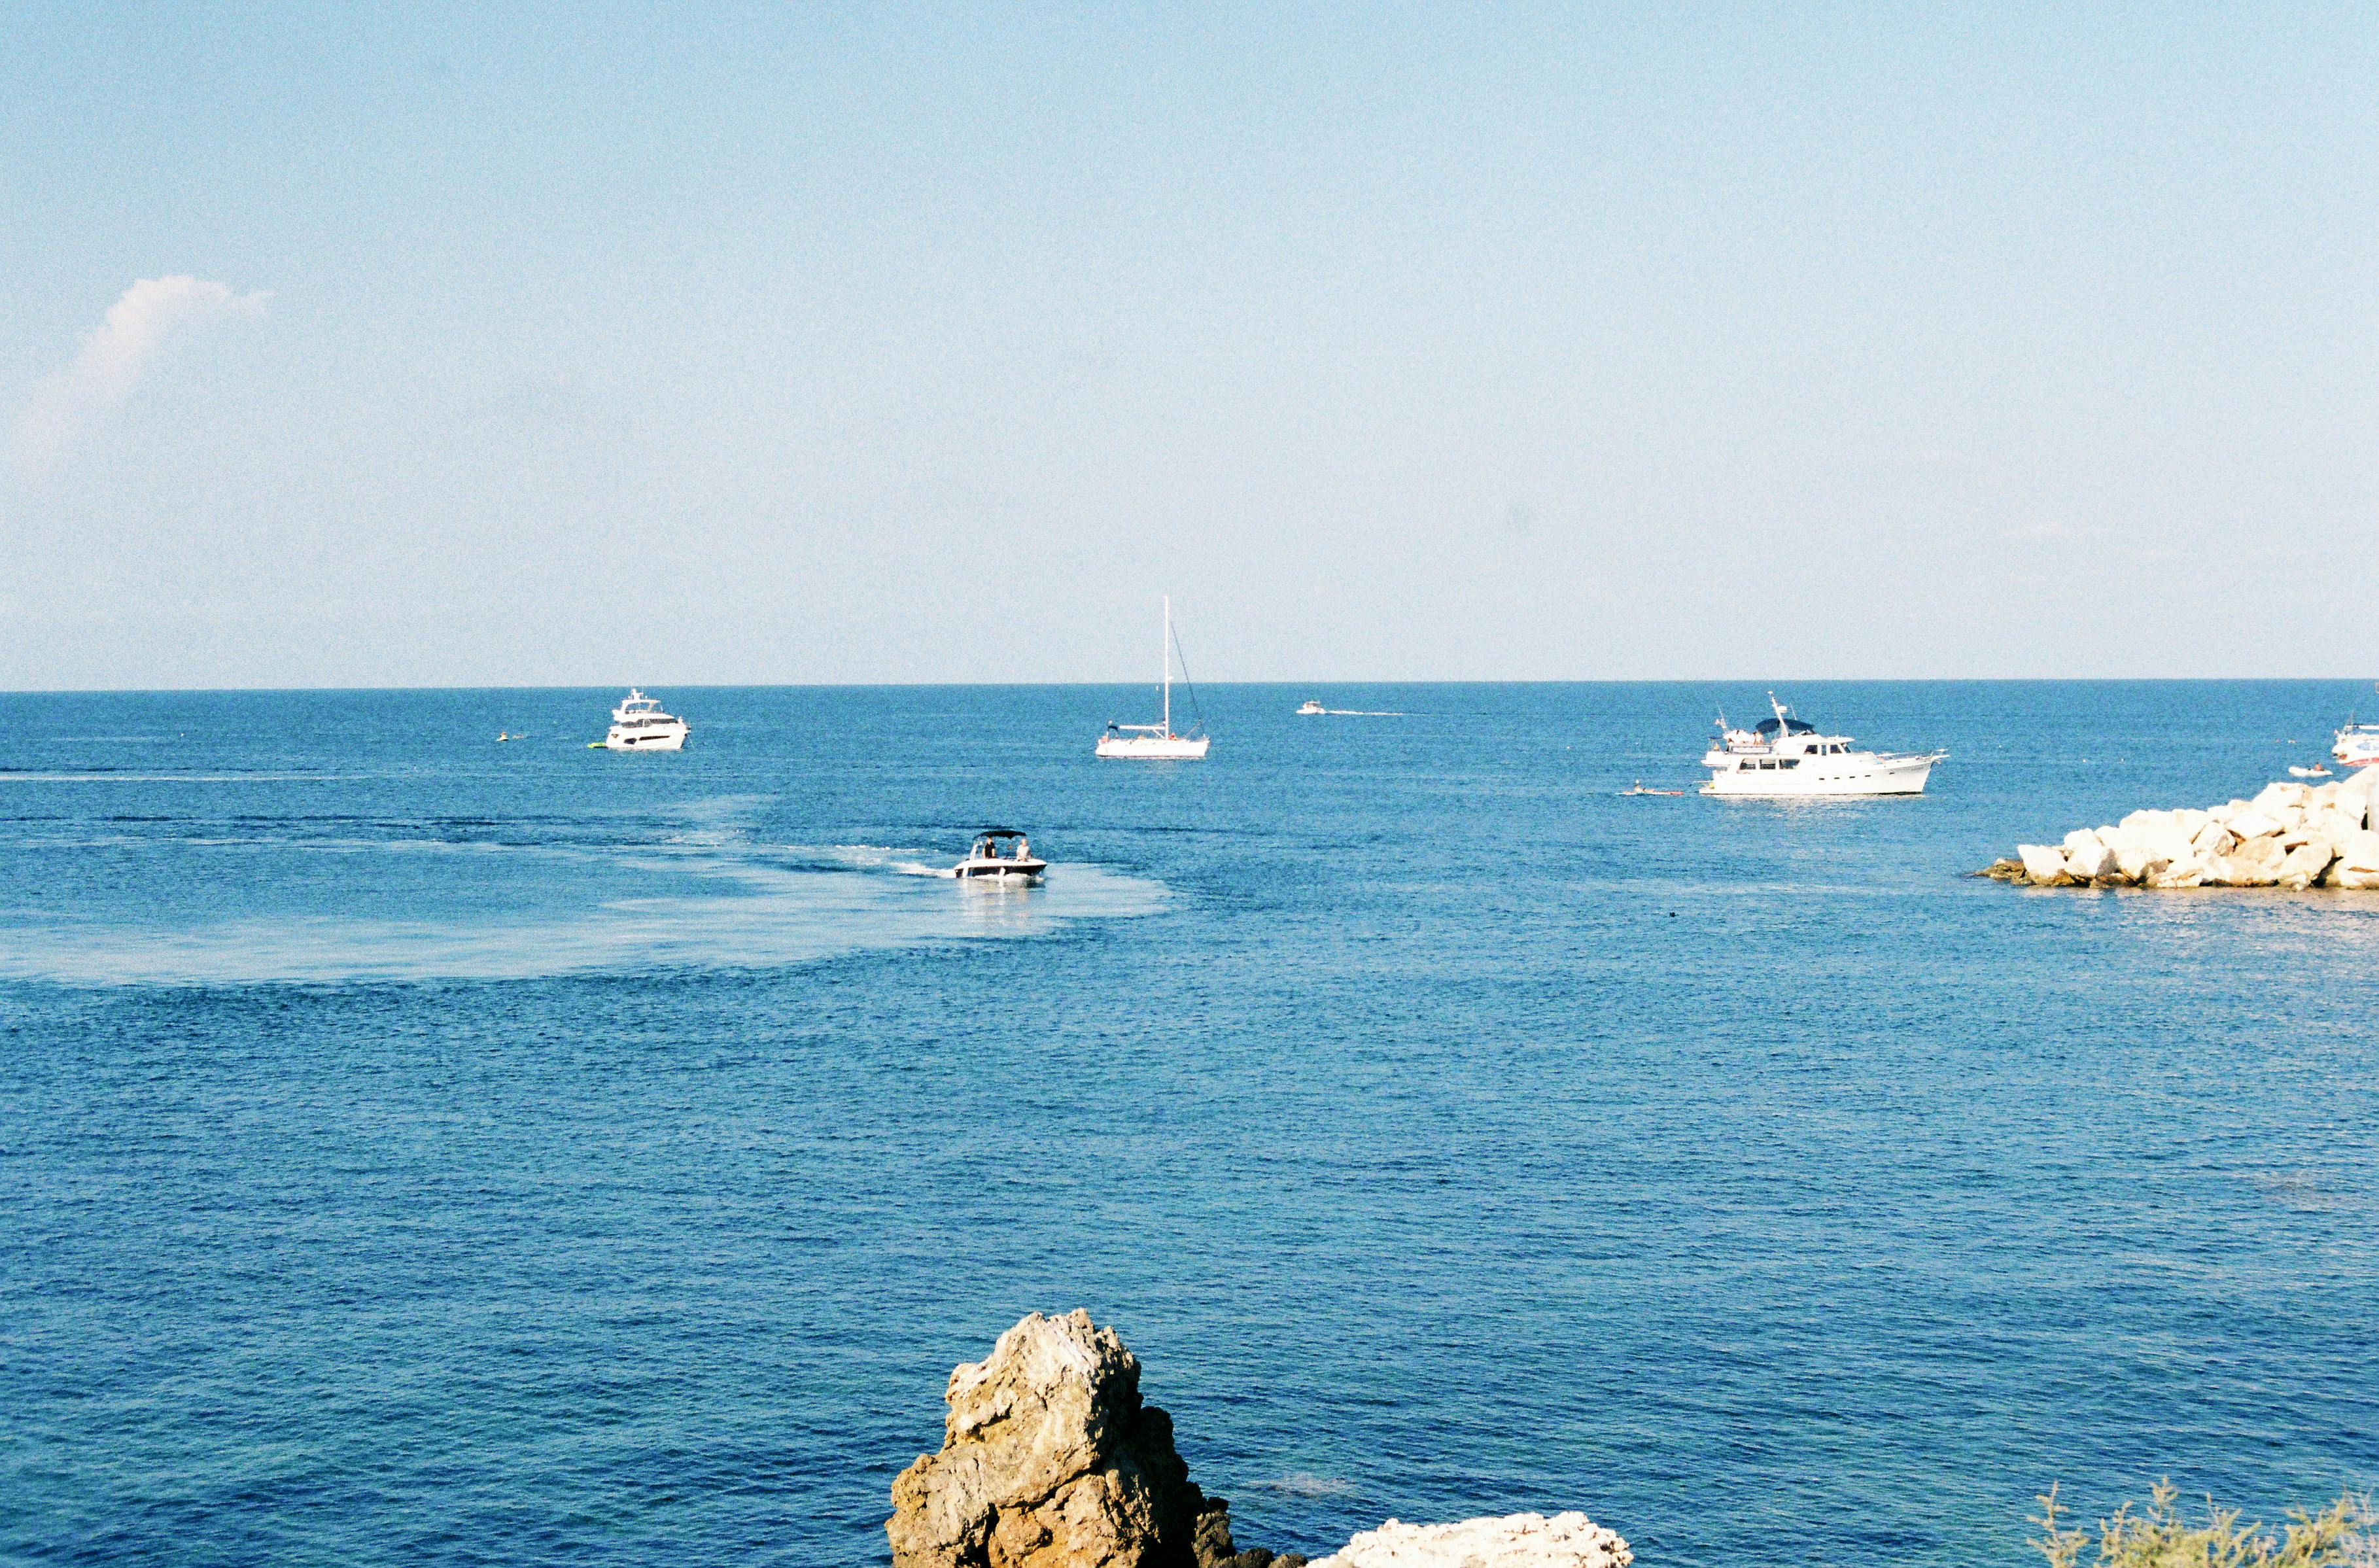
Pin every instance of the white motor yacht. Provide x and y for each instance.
(1000, 854)
(2358, 744)
(1785, 755)
(1311, 708)
(639, 725)
(1156, 742)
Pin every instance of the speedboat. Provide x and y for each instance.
(2316, 771)
(639, 725)
(1638, 788)
(1156, 742)
(1788, 756)
(1000, 854)
(2358, 744)
(1311, 708)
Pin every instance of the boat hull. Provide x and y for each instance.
(1153, 748)
(662, 740)
(1893, 776)
(1013, 872)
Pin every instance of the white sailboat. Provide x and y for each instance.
(1156, 742)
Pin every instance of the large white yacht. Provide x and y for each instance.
(1785, 755)
(1156, 742)
(2358, 744)
(639, 725)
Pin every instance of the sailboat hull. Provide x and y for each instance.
(1153, 748)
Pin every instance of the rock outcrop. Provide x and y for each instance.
(2293, 836)
(1515, 1540)
(1049, 1459)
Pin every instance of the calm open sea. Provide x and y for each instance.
(420, 1150)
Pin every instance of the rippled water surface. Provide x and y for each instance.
(418, 1150)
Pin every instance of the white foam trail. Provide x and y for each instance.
(775, 916)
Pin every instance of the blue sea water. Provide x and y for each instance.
(418, 1150)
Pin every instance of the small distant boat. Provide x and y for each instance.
(1156, 742)
(503, 735)
(2316, 771)
(639, 725)
(1000, 854)
(1638, 788)
(1311, 708)
(1785, 755)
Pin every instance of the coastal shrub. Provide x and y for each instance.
(2157, 1536)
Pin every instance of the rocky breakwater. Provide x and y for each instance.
(1050, 1459)
(2289, 835)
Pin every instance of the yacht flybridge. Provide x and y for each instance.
(639, 725)
(1785, 755)
(1156, 742)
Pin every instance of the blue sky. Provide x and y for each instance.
(504, 345)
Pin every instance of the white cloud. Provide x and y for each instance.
(109, 366)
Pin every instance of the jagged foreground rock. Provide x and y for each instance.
(1515, 1540)
(1050, 1460)
(2289, 835)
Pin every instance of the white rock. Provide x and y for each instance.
(2254, 863)
(2253, 823)
(2043, 864)
(2213, 838)
(2278, 796)
(1515, 1540)
(2137, 863)
(2186, 871)
(2086, 859)
(2358, 852)
(2330, 824)
(2346, 876)
(2322, 795)
(2304, 865)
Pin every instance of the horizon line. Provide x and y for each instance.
(995, 685)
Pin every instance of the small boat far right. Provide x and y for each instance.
(1789, 756)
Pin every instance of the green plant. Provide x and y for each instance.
(2157, 1536)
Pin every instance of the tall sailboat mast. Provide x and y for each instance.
(1156, 742)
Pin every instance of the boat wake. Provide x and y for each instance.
(875, 857)
(514, 913)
